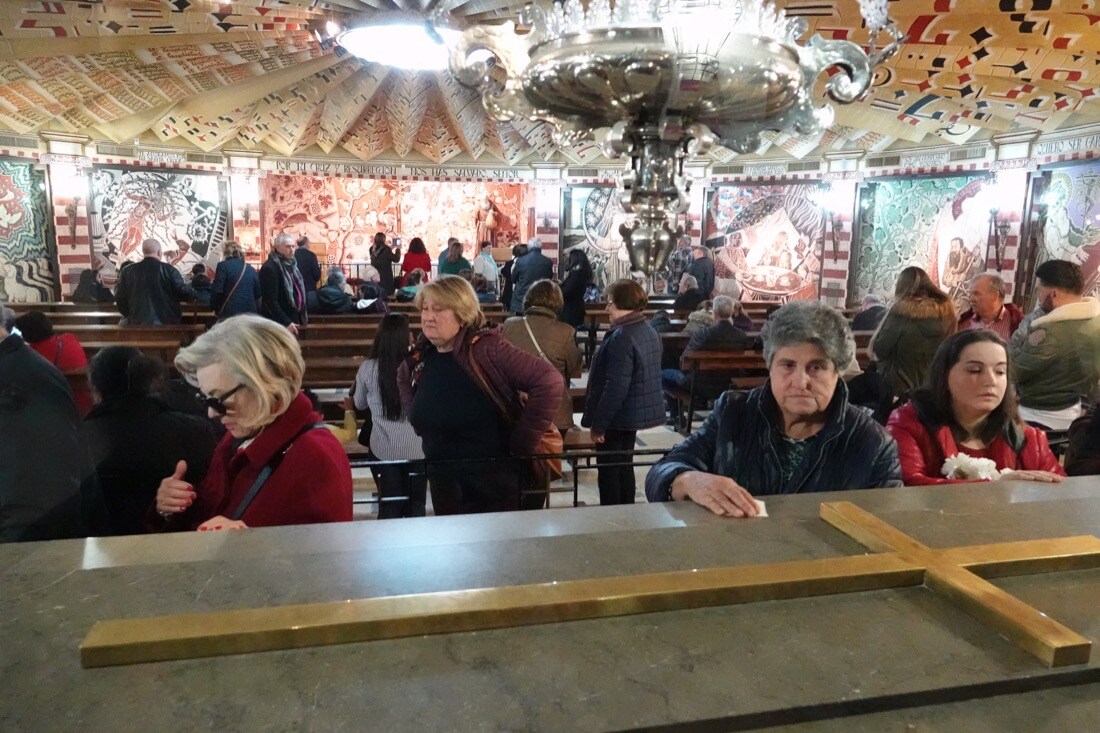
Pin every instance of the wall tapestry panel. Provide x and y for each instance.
(342, 215)
(766, 237)
(1072, 229)
(26, 275)
(939, 224)
(186, 212)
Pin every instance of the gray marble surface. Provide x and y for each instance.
(732, 666)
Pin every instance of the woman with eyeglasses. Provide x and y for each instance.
(277, 464)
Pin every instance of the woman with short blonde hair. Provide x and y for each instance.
(461, 389)
(250, 370)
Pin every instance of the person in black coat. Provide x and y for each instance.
(383, 258)
(527, 270)
(702, 269)
(506, 278)
(47, 486)
(578, 277)
(136, 439)
(149, 292)
(624, 390)
(331, 298)
(200, 283)
(282, 293)
(90, 290)
(796, 434)
(871, 314)
(722, 335)
(1083, 453)
(307, 264)
(236, 287)
(690, 297)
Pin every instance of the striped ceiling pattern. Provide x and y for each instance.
(253, 74)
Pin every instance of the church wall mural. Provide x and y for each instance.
(591, 216)
(341, 215)
(1072, 227)
(186, 212)
(26, 275)
(766, 237)
(940, 224)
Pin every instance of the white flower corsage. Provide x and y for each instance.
(962, 466)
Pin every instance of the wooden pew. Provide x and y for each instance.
(183, 334)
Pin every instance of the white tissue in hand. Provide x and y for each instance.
(364, 304)
(962, 466)
(761, 510)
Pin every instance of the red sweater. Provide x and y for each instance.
(413, 261)
(64, 351)
(922, 454)
(312, 483)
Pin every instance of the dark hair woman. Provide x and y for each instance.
(392, 438)
(63, 350)
(135, 438)
(624, 389)
(417, 258)
(462, 388)
(578, 276)
(967, 410)
(383, 258)
(506, 279)
(90, 290)
(918, 322)
(453, 262)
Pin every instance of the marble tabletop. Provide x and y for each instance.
(729, 667)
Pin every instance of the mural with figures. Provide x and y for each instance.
(25, 272)
(186, 212)
(767, 238)
(939, 224)
(342, 215)
(1072, 228)
(591, 216)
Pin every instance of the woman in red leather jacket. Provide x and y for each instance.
(968, 407)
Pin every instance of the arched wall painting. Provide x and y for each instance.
(591, 216)
(341, 215)
(1072, 228)
(26, 275)
(187, 213)
(766, 237)
(939, 224)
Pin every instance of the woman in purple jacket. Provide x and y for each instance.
(461, 388)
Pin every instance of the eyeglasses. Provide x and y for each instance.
(217, 404)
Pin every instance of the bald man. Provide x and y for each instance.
(149, 292)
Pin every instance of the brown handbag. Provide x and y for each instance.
(550, 442)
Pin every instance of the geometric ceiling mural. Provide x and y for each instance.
(252, 74)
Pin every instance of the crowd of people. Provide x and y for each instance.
(462, 410)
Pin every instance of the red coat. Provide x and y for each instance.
(312, 483)
(64, 351)
(922, 454)
(413, 261)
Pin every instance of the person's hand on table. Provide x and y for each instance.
(215, 524)
(721, 495)
(1046, 476)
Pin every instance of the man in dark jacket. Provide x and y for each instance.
(149, 292)
(721, 335)
(690, 297)
(530, 267)
(702, 269)
(331, 298)
(796, 434)
(47, 490)
(282, 292)
(307, 265)
(871, 313)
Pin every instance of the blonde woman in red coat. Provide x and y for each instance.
(967, 410)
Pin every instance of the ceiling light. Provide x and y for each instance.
(404, 45)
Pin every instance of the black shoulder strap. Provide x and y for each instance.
(268, 470)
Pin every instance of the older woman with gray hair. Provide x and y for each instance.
(795, 434)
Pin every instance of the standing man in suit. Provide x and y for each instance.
(282, 292)
(307, 264)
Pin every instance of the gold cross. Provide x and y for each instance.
(900, 561)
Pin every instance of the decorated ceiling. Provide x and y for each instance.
(256, 74)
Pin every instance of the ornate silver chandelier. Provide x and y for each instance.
(661, 80)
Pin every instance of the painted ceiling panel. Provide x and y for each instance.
(253, 71)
